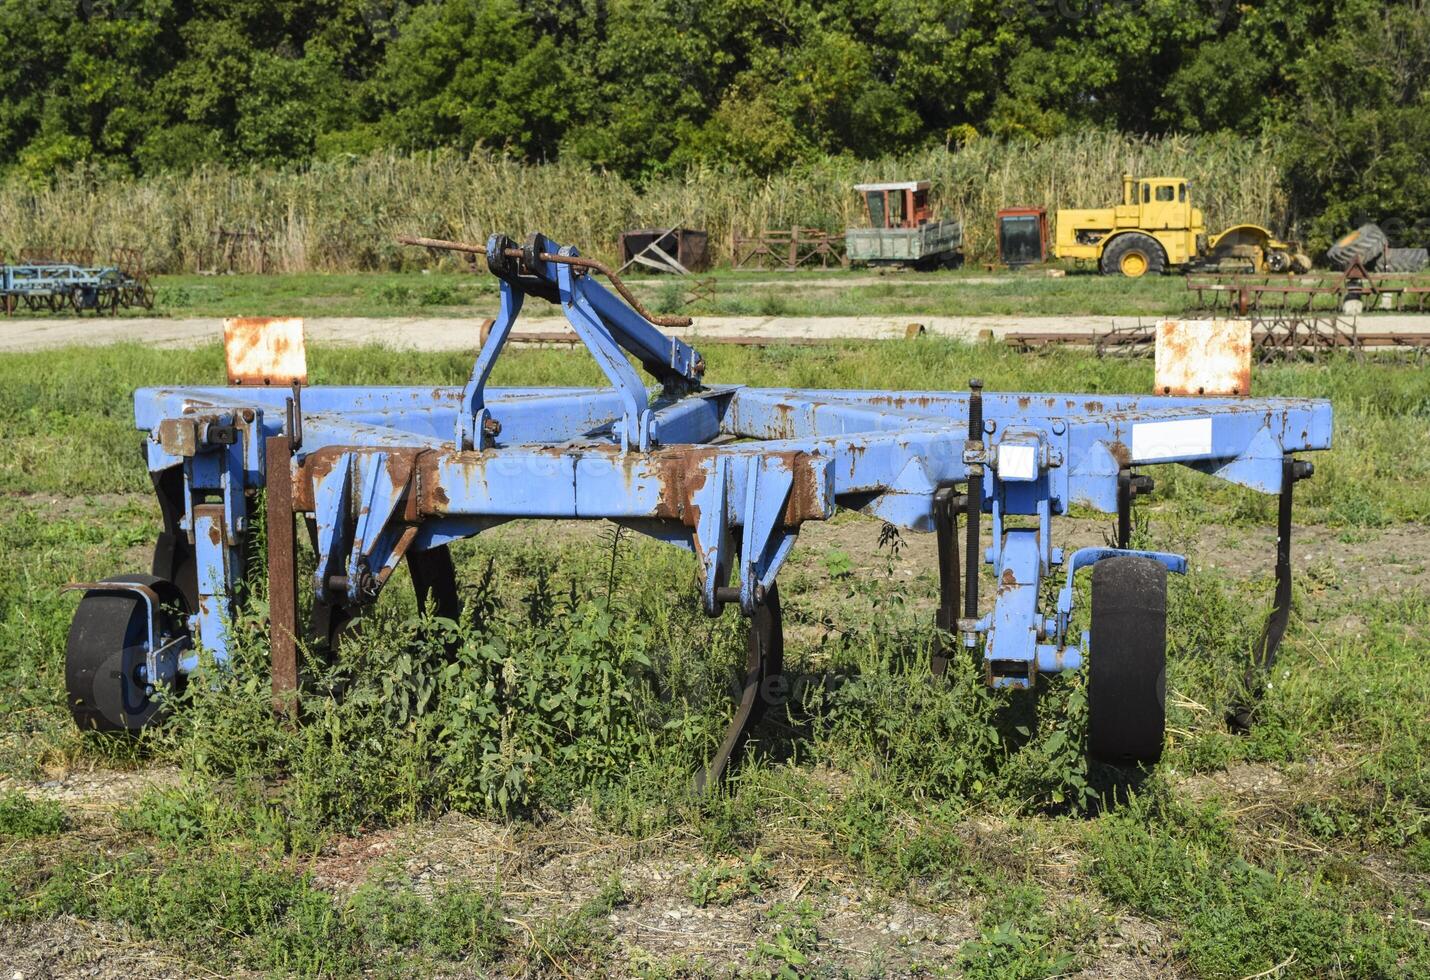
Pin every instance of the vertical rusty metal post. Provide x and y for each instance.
(282, 577)
(974, 553)
(1124, 507)
(946, 505)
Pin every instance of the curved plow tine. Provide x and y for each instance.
(434, 579)
(1243, 713)
(764, 661)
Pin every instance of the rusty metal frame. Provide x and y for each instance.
(788, 249)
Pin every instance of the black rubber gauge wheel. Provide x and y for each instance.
(1127, 661)
(105, 652)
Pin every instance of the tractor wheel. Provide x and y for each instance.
(1403, 260)
(1134, 255)
(106, 650)
(1127, 661)
(1278, 261)
(1364, 245)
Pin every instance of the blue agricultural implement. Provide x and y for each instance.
(59, 285)
(730, 472)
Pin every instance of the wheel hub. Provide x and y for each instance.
(1134, 264)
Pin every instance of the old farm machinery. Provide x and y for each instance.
(1352, 291)
(731, 472)
(902, 231)
(1156, 228)
(44, 281)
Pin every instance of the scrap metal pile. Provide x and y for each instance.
(57, 281)
(730, 472)
(1284, 336)
(1352, 291)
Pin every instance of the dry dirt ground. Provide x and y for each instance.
(462, 333)
(554, 867)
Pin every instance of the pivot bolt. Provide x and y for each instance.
(491, 426)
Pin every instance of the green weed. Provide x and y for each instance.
(22, 817)
(723, 883)
(583, 671)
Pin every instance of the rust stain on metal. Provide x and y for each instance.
(317, 465)
(179, 437)
(1203, 357)
(681, 474)
(262, 350)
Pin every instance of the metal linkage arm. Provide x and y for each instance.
(610, 329)
(536, 267)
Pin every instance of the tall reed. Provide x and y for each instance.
(343, 215)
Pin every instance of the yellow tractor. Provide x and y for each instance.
(1156, 228)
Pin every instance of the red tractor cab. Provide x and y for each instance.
(898, 204)
(1022, 236)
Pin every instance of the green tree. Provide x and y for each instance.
(77, 81)
(466, 73)
(654, 71)
(1357, 134)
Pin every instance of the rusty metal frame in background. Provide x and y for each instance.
(788, 249)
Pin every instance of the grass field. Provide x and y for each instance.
(420, 824)
(813, 292)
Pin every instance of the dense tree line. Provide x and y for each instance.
(647, 88)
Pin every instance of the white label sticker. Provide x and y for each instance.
(1017, 462)
(1171, 440)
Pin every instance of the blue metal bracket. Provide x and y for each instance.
(471, 432)
(378, 485)
(608, 329)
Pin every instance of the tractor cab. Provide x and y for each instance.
(898, 204)
(1160, 202)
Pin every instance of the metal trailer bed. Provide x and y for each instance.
(730, 472)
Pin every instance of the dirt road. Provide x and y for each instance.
(454, 333)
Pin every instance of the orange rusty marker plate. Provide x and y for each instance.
(1203, 357)
(264, 350)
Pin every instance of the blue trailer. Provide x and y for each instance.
(730, 472)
